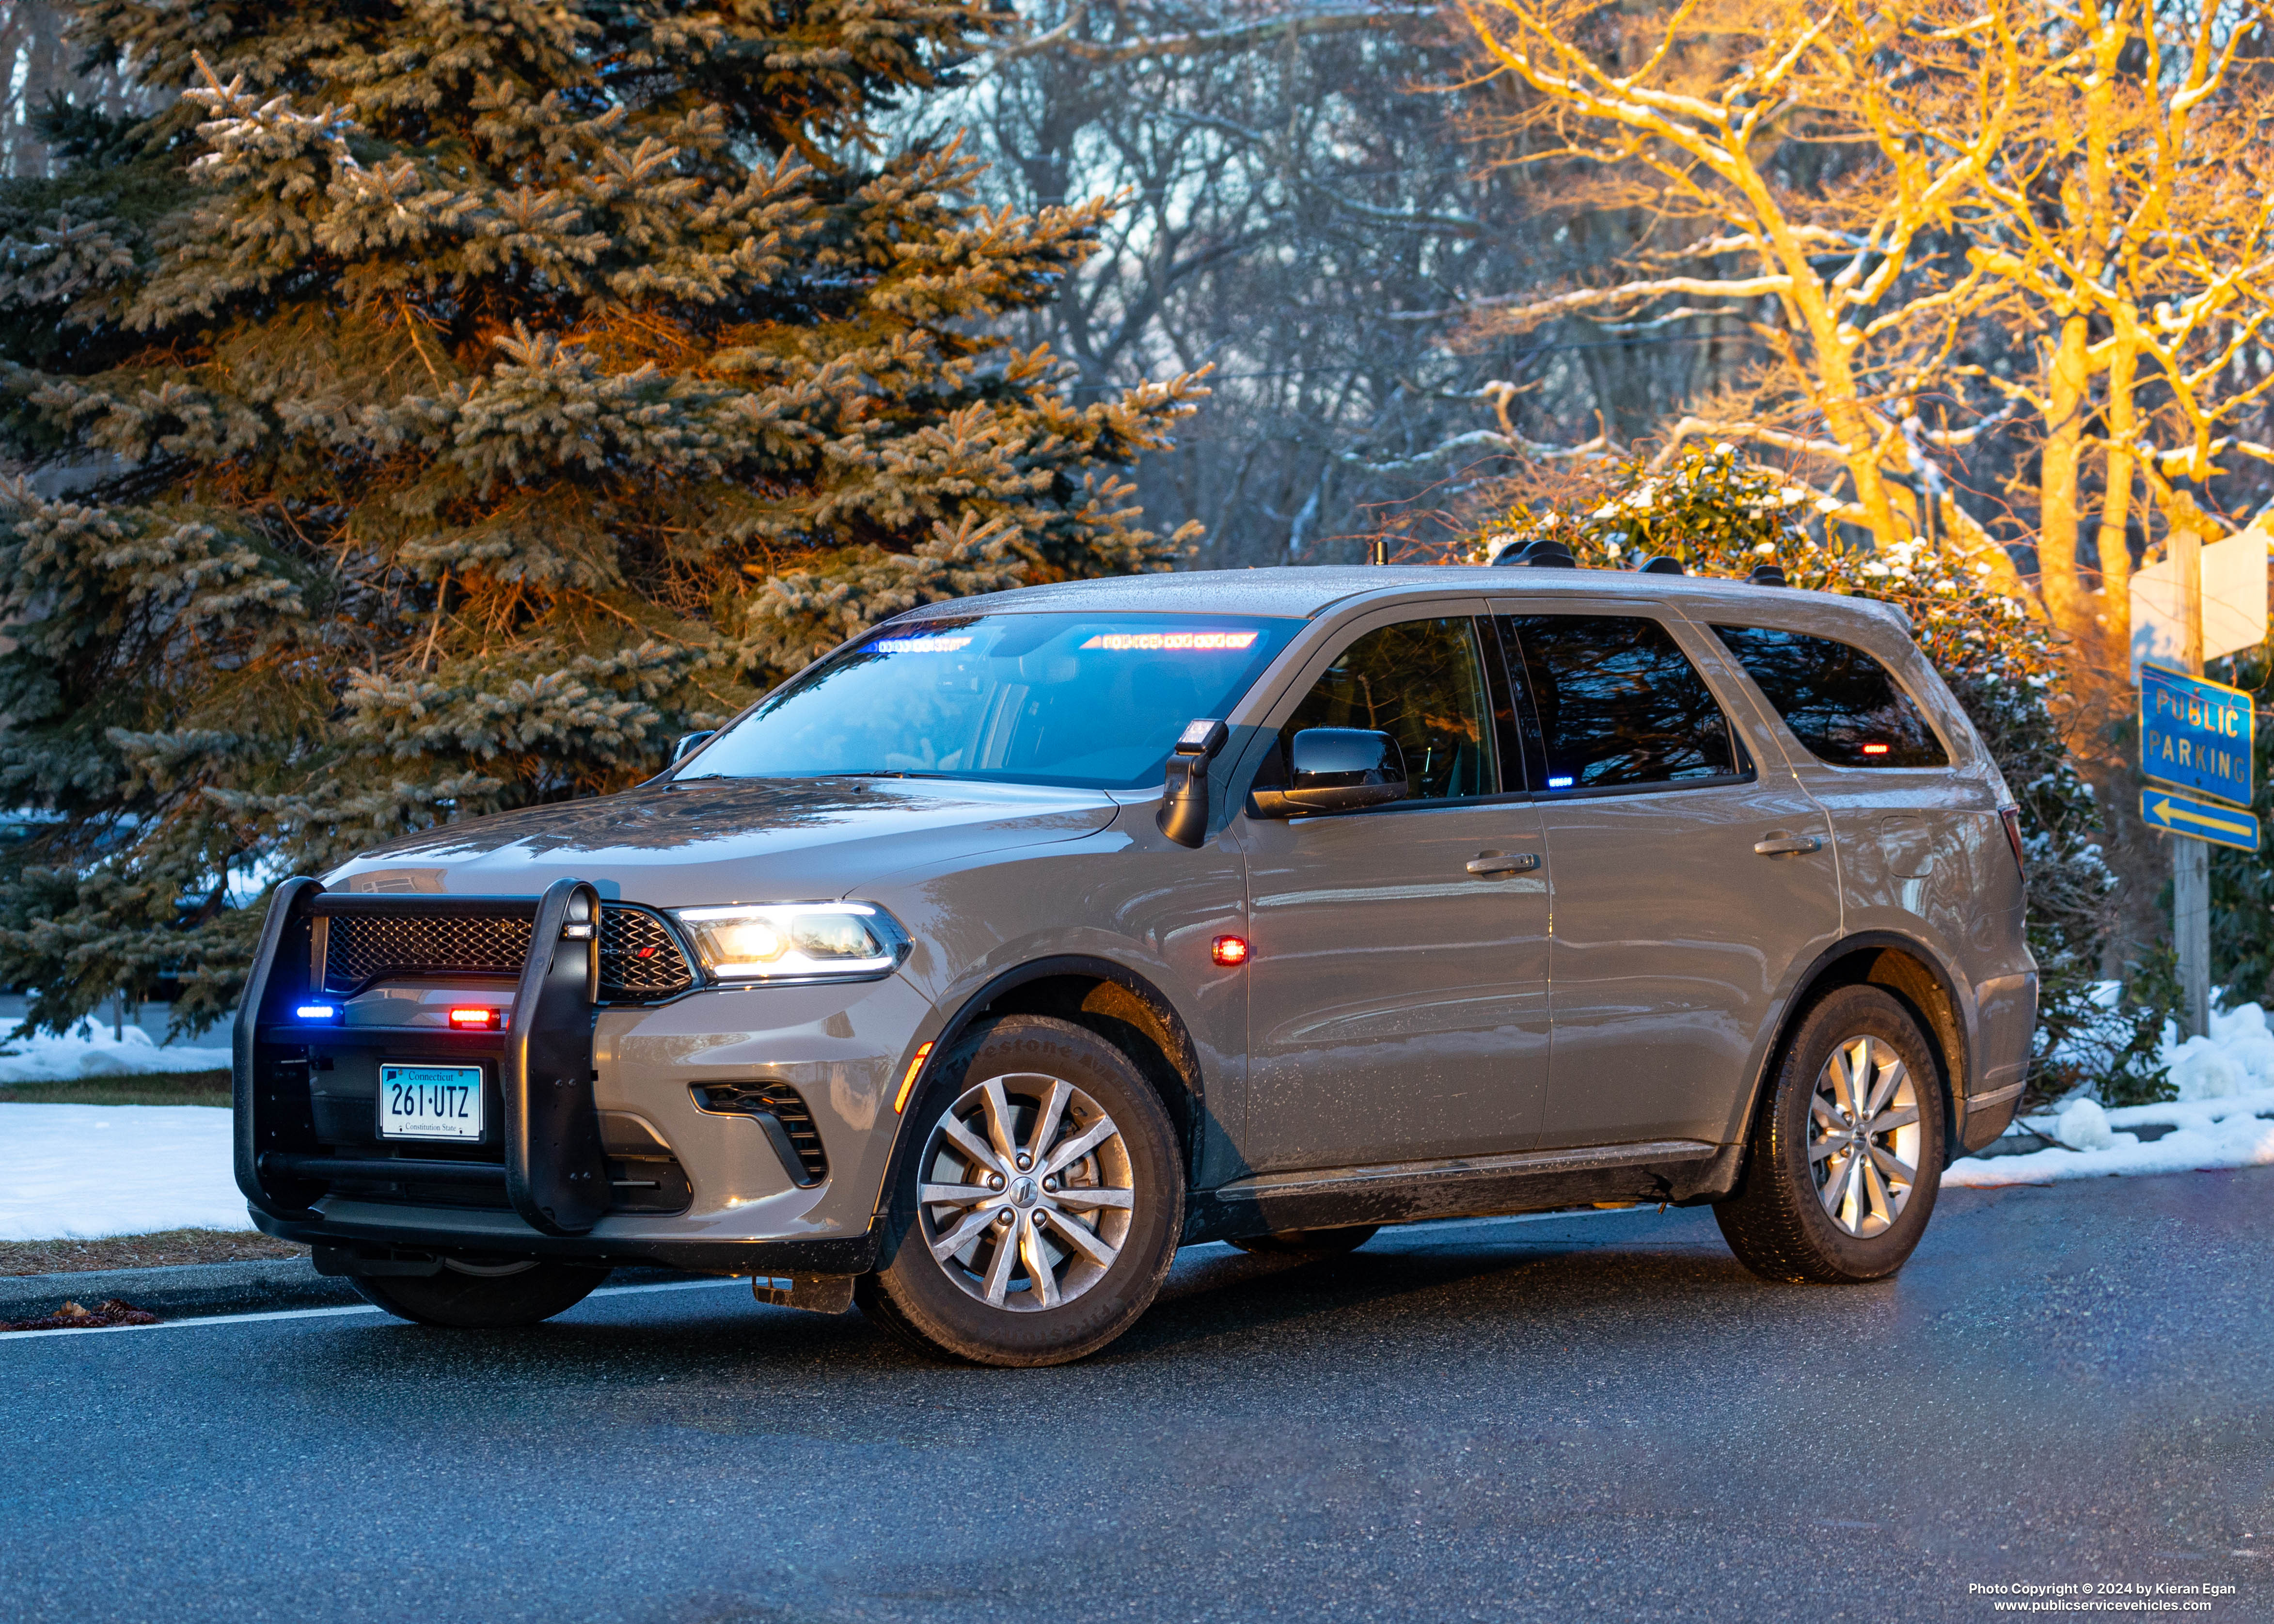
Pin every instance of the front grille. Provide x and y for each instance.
(782, 1102)
(363, 948)
(640, 959)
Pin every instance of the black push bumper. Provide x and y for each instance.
(552, 1170)
(545, 1161)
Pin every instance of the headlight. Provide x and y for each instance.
(795, 941)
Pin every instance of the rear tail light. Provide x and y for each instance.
(2011, 817)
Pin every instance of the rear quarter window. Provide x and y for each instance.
(1840, 702)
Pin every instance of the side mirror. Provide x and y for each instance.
(689, 743)
(1184, 813)
(1335, 770)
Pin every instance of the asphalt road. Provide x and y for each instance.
(1567, 1420)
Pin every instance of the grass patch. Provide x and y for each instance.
(141, 1088)
(162, 1250)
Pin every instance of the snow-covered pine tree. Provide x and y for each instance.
(467, 396)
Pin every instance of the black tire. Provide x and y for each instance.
(939, 1302)
(463, 1301)
(1781, 1221)
(1310, 1242)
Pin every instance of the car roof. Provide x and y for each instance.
(1310, 590)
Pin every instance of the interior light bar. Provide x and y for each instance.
(476, 1019)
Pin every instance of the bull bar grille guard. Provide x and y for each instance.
(554, 1172)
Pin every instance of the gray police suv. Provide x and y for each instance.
(1027, 937)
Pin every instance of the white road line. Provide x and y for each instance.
(320, 1313)
(1418, 1231)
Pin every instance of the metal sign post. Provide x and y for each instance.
(2190, 858)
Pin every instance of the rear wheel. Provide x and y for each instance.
(1847, 1156)
(1042, 1207)
(1311, 1243)
(482, 1297)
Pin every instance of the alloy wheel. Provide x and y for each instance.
(1864, 1135)
(1028, 1192)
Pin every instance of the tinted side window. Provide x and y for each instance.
(1617, 701)
(1423, 683)
(1839, 700)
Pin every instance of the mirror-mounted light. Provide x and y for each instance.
(1203, 738)
(1184, 813)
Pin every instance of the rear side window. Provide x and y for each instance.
(1615, 701)
(1839, 700)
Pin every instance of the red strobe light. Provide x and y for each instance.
(475, 1019)
(1229, 951)
(1875, 750)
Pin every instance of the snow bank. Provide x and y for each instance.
(77, 1172)
(89, 1050)
(2223, 1118)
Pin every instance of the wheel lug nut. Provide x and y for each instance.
(1051, 1187)
(994, 1181)
(1004, 1216)
(1025, 1161)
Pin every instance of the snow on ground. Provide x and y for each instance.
(2223, 1118)
(89, 1050)
(79, 1172)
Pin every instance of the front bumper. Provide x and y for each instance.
(580, 1094)
(391, 1231)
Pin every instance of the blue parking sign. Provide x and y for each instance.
(2194, 734)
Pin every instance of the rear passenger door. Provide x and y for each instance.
(1690, 872)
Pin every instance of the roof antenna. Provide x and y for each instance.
(1377, 550)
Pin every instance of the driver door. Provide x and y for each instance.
(1397, 999)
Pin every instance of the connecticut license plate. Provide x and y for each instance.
(430, 1102)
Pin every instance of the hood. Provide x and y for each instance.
(718, 840)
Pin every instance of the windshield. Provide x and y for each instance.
(1094, 701)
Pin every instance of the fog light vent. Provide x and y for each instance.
(784, 1108)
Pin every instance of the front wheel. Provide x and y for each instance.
(1041, 1211)
(1847, 1155)
(484, 1296)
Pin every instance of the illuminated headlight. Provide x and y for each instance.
(795, 941)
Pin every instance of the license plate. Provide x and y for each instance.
(430, 1102)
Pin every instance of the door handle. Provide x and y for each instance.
(1786, 846)
(1515, 862)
